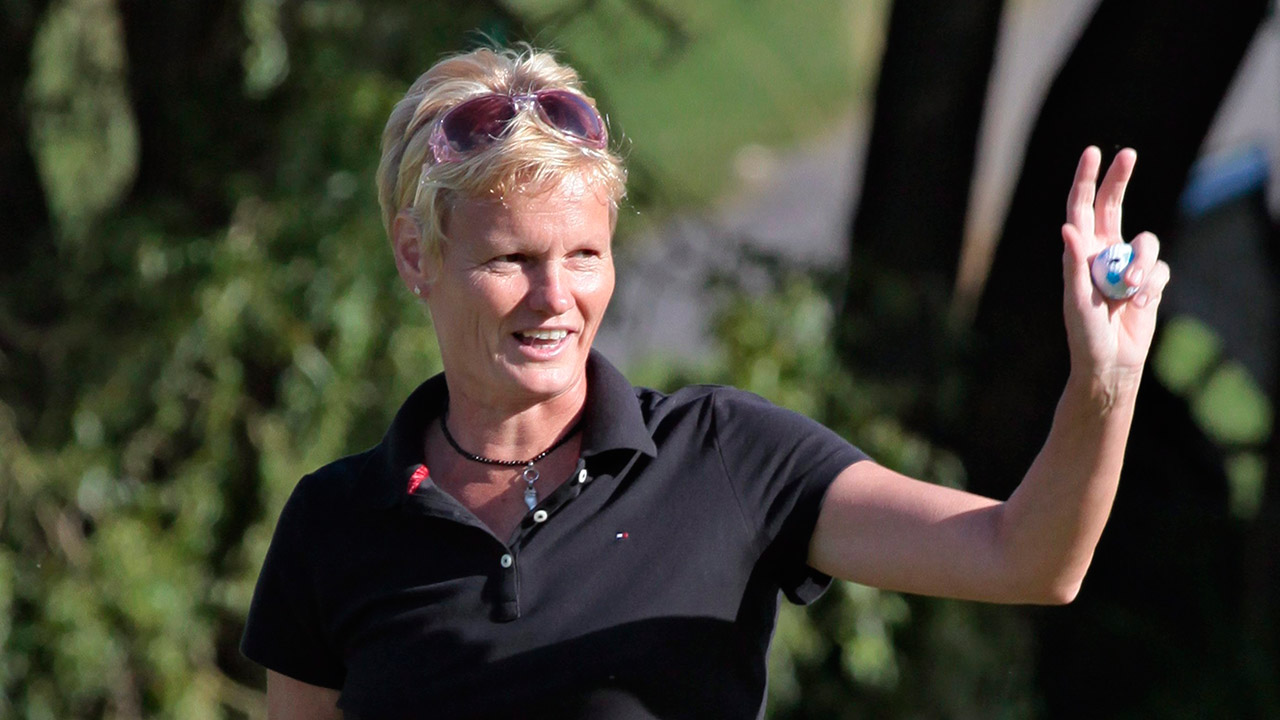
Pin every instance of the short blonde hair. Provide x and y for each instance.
(530, 155)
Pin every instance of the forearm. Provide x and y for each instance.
(1049, 527)
(882, 528)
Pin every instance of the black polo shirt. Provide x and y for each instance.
(645, 586)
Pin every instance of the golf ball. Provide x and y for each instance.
(1108, 271)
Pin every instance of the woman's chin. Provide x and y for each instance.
(547, 377)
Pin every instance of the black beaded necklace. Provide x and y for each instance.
(530, 473)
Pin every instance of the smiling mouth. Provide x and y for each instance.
(541, 338)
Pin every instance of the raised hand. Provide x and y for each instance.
(1108, 339)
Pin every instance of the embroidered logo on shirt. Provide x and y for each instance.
(621, 536)
(420, 474)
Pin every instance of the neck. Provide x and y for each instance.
(513, 433)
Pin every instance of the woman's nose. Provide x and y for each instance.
(548, 293)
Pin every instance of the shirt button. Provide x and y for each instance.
(506, 560)
(582, 476)
(540, 516)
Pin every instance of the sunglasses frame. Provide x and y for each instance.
(445, 150)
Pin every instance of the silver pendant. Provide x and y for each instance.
(530, 476)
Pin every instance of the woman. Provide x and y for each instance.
(535, 537)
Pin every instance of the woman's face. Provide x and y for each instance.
(519, 292)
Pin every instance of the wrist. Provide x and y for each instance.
(1105, 390)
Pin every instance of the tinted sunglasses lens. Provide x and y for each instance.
(477, 122)
(572, 115)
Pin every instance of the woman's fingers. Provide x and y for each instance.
(1157, 279)
(1111, 195)
(1146, 252)
(1080, 199)
(1075, 261)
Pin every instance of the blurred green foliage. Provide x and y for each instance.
(687, 85)
(1226, 400)
(209, 311)
(85, 136)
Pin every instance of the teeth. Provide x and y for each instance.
(545, 334)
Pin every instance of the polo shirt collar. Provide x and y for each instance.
(611, 421)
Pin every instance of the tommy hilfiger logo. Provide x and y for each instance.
(618, 537)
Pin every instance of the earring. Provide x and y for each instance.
(417, 291)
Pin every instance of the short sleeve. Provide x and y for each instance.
(781, 464)
(284, 631)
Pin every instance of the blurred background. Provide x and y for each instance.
(850, 207)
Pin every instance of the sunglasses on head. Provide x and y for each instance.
(480, 121)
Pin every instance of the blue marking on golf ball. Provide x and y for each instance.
(1108, 271)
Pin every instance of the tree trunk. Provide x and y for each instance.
(909, 222)
(1148, 74)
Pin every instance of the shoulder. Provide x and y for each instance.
(728, 407)
(331, 489)
(693, 408)
(702, 398)
(727, 416)
(375, 478)
(338, 479)
(751, 430)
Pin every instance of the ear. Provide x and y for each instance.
(412, 260)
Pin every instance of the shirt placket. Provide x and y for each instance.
(508, 603)
(503, 586)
